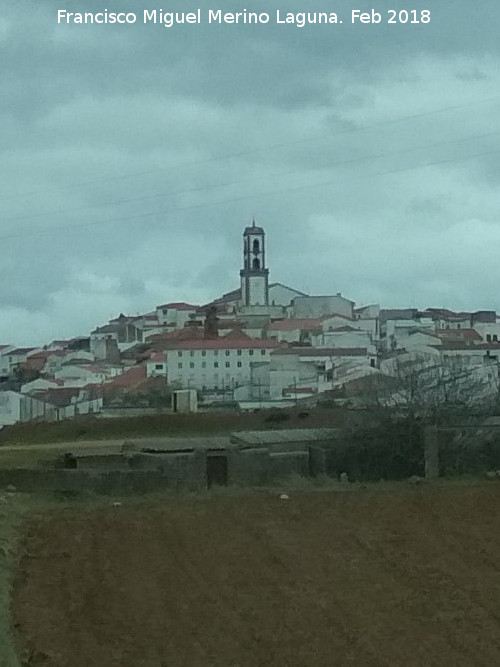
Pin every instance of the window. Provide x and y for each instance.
(488, 338)
(216, 353)
(191, 354)
(228, 353)
(203, 364)
(495, 338)
(250, 352)
(262, 351)
(191, 364)
(228, 364)
(158, 367)
(256, 264)
(239, 364)
(179, 354)
(216, 364)
(203, 353)
(239, 353)
(179, 365)
(255, 246)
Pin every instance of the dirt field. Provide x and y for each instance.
(375, 577)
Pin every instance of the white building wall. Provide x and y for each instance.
(212, 368)
(15, 407)
(317, 306)
(281, 295)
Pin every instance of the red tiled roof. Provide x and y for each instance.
(462, 334)
(226, 344)
(304, 324)
(238, 335)
(60, 397)
(130, 378)
(157, 357)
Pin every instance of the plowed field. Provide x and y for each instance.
(372, 577)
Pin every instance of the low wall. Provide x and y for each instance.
(288, 464)
(146, 472)
(248, 467)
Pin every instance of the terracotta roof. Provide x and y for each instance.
(304, 324)
(129, 379)
(157, 357)
(460, 334)
(60, 397)
(225, 344)
(238, 335)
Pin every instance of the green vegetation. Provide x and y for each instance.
(162, 425)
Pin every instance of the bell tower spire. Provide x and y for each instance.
(254, 275)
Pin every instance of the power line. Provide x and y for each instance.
(257, 149)
(160, 195)
(244, 198)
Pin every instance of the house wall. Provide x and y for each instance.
(317, 306)
(344, 339)
(213, 368)
(281, 295)
(15, 407)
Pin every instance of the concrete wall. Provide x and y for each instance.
(248, 467)
(142, 472)
(288, 464)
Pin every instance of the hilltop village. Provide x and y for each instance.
(263, 344)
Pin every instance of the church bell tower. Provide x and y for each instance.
(254, 275)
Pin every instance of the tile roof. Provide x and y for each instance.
(225, 344)
(157, 357)
(60, 397)
(460, 334)
(131, 378)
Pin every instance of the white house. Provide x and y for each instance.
(293, 330)
(344, 337)
(175, 314)
(156, 365)
(318, 306)
(4, 360)
(217, 364)
(305, 371)
(16, 407)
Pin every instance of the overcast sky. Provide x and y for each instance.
(132, 158)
